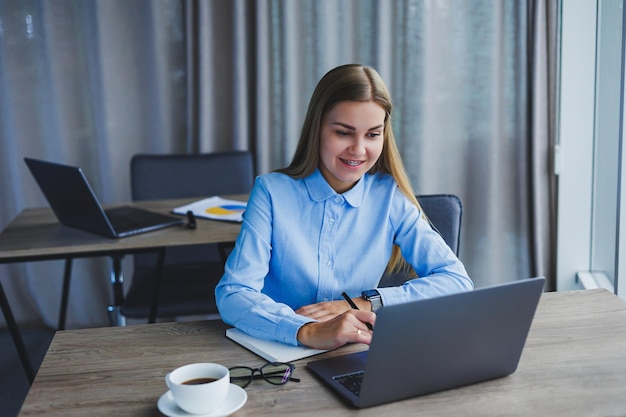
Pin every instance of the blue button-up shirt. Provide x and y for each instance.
(302, 243)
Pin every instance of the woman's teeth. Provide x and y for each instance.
(351, 162)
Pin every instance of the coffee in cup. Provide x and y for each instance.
(199, 388)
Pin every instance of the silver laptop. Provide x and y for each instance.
(436, 344)
(75, 204)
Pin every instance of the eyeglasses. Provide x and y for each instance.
(277, 373)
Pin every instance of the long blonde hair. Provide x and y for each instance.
(352, 82)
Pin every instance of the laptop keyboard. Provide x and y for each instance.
(351, 381)
(132, 219)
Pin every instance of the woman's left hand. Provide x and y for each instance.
(324, 311)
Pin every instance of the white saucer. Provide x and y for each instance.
(235, 399)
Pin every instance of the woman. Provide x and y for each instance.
(332, 221)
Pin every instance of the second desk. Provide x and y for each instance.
(36, 235)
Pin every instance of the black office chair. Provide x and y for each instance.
(190, 273)
(445, 212)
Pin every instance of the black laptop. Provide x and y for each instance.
(436, 344)
(75, 204)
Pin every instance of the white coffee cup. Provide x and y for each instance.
(199, 388)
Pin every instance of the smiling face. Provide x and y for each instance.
(351, 141)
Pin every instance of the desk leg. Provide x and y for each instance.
(67, 274)
(16, 335)
(157, 286)
(117, 282)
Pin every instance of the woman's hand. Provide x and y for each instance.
(324, 311)
(327, 310)
(349, 327)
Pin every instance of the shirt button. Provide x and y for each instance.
(337, 199)
(328, 263)
(325, 299)
(331, 221)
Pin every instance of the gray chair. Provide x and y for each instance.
(189, 273)
(445, 212)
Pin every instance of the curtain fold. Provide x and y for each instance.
(86, 83)
(542, 52)
(91, 83)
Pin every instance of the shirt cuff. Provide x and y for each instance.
(287, 331)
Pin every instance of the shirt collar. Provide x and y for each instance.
(320, 190)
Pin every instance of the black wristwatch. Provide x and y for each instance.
(373, 296)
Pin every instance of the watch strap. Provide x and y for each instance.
(373, 296)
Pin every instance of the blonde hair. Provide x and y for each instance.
(352, 82)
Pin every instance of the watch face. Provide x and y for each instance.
(370, 293)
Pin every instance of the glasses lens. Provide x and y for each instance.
(241, 375)
(277, 373)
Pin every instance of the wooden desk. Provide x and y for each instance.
(36, 235)
(574, 364)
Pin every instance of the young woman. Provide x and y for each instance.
(340, 215)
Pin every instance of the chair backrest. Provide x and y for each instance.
(162, 176)
(445, 212)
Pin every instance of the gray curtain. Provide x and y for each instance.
(91, 82)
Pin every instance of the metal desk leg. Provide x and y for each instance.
(117, 281)
(157, 286)
(17, 336)
(67, 274)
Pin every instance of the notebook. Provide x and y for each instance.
(215, 208)
(75, 204)
(436, 344)
(270, 350)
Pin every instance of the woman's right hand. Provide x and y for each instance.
(349, 327)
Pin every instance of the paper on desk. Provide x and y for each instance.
(216, 208)
(270, 350)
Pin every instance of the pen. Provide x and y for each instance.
(355, 307)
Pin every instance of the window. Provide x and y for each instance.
(591, 118)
